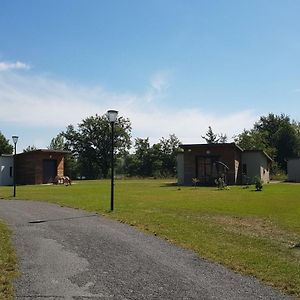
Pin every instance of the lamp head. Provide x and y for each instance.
(15, 138)
(112, 115)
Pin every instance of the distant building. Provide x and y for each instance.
(207, 162)
(293, 169)
(39, 166)
(6, 169)
(33, 167)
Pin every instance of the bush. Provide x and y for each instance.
(220, 183)
(195, 181)
(258, 183)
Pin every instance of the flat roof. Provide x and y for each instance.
(45, 151)
(214, 145)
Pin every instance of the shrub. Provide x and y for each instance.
(220, 183)
(258, 183)
(195, 181)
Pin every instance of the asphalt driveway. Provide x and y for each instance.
(72, 254)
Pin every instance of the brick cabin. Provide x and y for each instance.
(39, 166)
(206, 162)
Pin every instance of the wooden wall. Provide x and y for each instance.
(227, 153)
(29, 166)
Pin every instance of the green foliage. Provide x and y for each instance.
(195, 181)
(277, 135)
(212, 138)
(276, 173)
(169, 148)
(90, 144)
(258, 183)
(158, 160)
(5, 147)
(57, 143)
(222, 138)
(71, 165)
(251, 140)
(220, 183)
(7, 264)
(71, 168)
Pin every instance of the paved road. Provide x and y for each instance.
(79, 255)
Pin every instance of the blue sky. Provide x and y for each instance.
(170, 66)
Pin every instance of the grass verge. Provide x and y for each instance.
(7, 264)
(251, 232)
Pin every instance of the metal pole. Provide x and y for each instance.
(14, 166)
(112, 168)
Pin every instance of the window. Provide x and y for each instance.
(244, 169)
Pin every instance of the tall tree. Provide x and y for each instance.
(90, 143)
(278, 135)
(223, 138)
(251, 140)
(57, 143)
(5, 147)
(214, 138)
(70, 162)
(169, 148)
(210, 137)
(156, 160)
(143, 157)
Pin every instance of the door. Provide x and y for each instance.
(49, 170)
(206, 171)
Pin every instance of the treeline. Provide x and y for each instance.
(89, 145)
(277, 135)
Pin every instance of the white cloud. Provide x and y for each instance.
(158, 87)
(160, 81)
(189, 124)
(6, 66)
(43, 102)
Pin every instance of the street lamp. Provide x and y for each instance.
(112, 117)
(15, 140)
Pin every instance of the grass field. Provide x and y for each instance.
(251, 232)
(7, 264)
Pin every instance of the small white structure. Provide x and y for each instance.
(293, 169)
(6, 169)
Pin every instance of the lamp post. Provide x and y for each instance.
(112, 117)
(15, 140)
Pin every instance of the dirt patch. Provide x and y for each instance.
(255, 227)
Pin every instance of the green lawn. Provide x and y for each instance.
(7, 264)
(250, 232)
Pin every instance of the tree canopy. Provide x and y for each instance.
(5, 147)
(57, 143)
(158, 160)
(90, 144)
(278, 135)
(213, 138)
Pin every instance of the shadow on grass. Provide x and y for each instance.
(169, 184)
